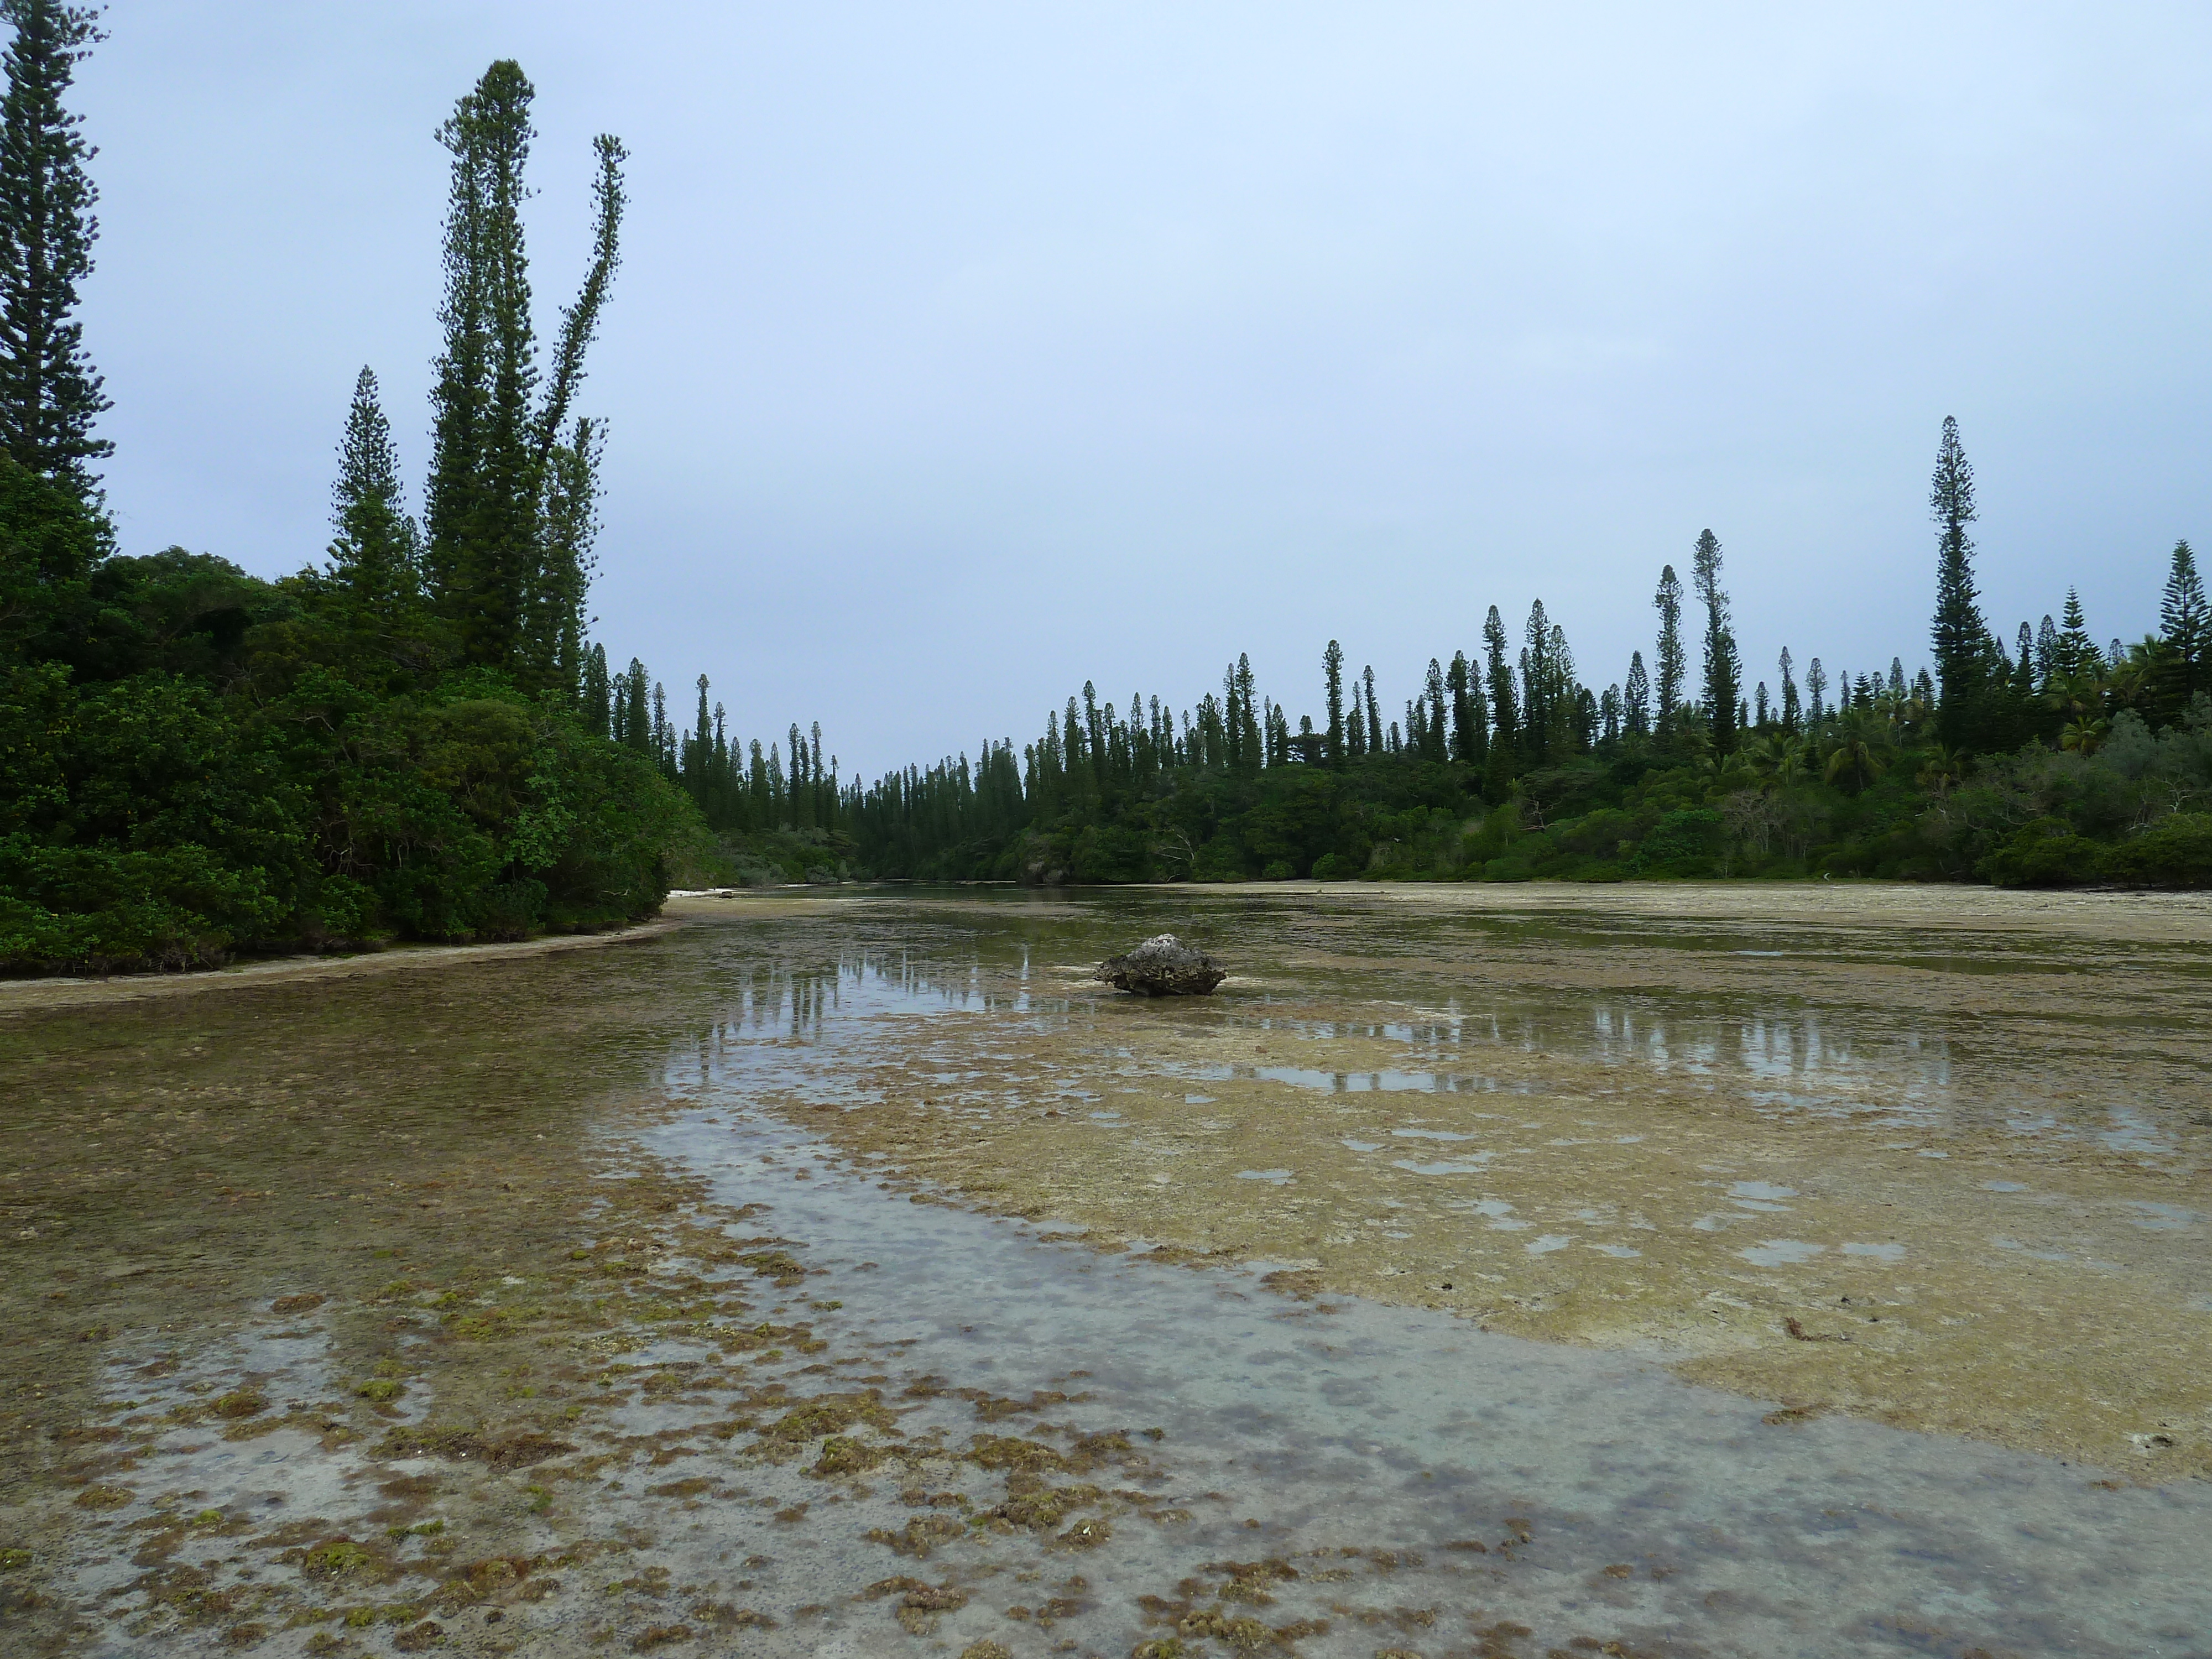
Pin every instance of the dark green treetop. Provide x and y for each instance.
(377, 554)
(2075, 653)
(2184, 665)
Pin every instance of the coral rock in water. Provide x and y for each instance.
(1163, 967)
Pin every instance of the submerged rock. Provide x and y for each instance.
(1163, 966)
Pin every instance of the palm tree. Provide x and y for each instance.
(1858, 755)
(2084, 734)
(2129, 680)
(1943, 768)
(1761, 756)
(2079, 697)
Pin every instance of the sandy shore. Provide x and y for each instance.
(19, 994)
(2166, 917)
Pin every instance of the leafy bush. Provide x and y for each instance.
(1683, 843)
(2174, 852)
(2045, 853)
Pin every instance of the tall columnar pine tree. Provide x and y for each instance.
(508, 507)
(598, 715)
(50, 395)
(1504, 700)
(1637, 714)
(1790, 711)
(695, 749)
(2023, 668)
(637, 731)
(377, 556)
(1816, 693)
(1468, 743)
(1963, 647)
(1248, 741)
(1670, 661)
(1536, 709)
(1331, 667)
(1723, 669)
(2182, 665)
(1436, 738)
(1374, 711)
(1571, 709)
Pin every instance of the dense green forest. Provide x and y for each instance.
(415, 739)
(389, 744)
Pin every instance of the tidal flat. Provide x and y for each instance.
(1502, 1271)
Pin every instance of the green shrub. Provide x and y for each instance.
(2174, 852)
(100, 908)
(1683, 843)
(2045, 853)
(1107, 853)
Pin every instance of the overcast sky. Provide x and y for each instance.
(963, 353)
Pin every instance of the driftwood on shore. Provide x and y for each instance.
(1163, 966)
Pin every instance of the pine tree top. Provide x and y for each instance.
(50, 394)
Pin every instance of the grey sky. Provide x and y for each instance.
(962, 353)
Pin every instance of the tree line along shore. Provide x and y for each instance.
(2058, 762)
(414, 737)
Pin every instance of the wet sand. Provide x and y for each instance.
(580, 1305)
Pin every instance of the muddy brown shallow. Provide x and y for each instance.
(1412, 1092)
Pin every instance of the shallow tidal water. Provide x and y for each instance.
(634, 1275)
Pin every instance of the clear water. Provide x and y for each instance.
(1351, 1425)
